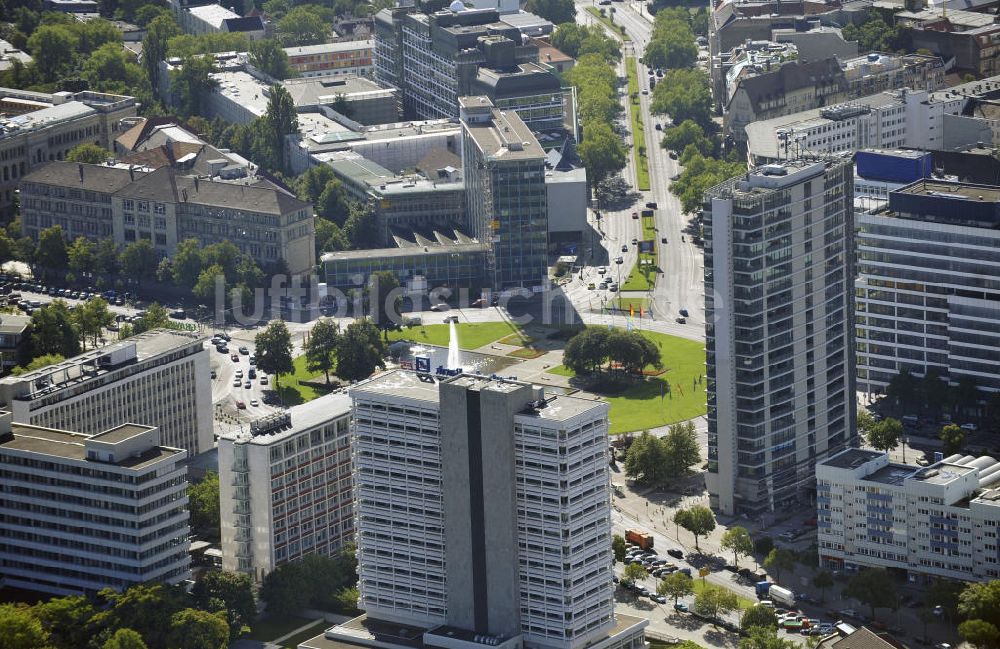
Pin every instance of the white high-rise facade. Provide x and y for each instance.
(483, 510)
(779, 330)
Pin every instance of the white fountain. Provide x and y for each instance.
(453, 360)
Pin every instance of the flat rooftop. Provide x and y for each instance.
(942, 473)
(891, 474)
(978, 193)
(851, 458)
(504, 136)
(326, 48)
(121, 433)
(562, 407)
(404, 251)
(399, 383)
(71, 446)
(303, 417)
(324, 90)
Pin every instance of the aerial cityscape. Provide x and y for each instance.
(541, 324)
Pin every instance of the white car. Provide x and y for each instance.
(254, 402)
(602, 270)
(970, 427)
(441, 306)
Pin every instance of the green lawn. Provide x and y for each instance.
(269, 628)
(292, 390)
(470, 335)
(638, 130)
(700, 585)
(625, 302)
(639, 407)
(684, 644)
(642, 277)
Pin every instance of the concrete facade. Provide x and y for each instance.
(83, 512)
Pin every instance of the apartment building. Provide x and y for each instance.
(470, 530)
(332, 59)
(939, 521)
(888, 120)
(36, 128)
(971, 38)
(161, 377)
(504, 171)
(166, 207)
(779, 319)
(299, 499)
(435, 53)
(928, 284)
(13, 339)
(761, 90)
(83, 512)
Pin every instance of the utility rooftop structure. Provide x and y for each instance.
(80, 512)
(160, 377)
(932, 522)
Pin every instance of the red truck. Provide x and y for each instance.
(641, 539)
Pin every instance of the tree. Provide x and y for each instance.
(618, 547)
(192, 82)
(91, 318)
(145, 608)
(681, 449)
(321, 347)
(954, 439)
(701, 173)
(106, 256)
(234, 590)
(313, 182)
(865, 422)
(966, 395)
(875, 35)
(204, 286)
(980, 634)
(187, 263)
(902, 388)
(684, 95)
(385, 301)
(51, 251)
(279, 120)
(124, 639)
(19, 629)
(274, 350)
(37, 363)
(778, 560)
(763, 545)
(885, 435)
(698, 520)
(302, 26)
(194, 629)
(361, 228)
(758, 616)
(687, 133)
(713, 602)
(66, 620)
(154, 46)
(203, 502)
(314, 580)
(137, 260)
(147, 13)
(601, 151)
(645, 461)
(53, 331)
(88, 153)
(53, 48)
(677, 584)
(360, 350)
(672, 43)
(979, 603)
(737, 540)
(332, 203)
(874, 587)
(554, 11)
(155, 317)
(269, 57)
(634, 572)
(822, 580)
(80, 255)
(766, 638)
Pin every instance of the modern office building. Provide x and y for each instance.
(928, 284)
(938, 521)
(36, 128)
(779, 324)
(504, 172)
(80, 512)
(435, 53)
(483, 516)
(332, 59)
(167, 206)
(161, 377)
(285, 487)
(13, 339)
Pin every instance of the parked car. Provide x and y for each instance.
(241, 405)
(681, 607)
(635, 215)
(684, 312)
(651, 205)
(235, 357)
(244, 350)
(254, 403)
(675, 553)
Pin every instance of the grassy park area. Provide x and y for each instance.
(293, 391)
(700, 585)
(675, 395)
(470, 335)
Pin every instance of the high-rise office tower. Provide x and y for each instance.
(507, 207)
(779, 330)
(483, 515)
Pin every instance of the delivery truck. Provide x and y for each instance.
(775, 593)
(642, 539)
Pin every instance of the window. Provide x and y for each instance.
(159, 208)
(143, 206)
(161, 223)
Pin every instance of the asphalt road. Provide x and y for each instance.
(680, 286)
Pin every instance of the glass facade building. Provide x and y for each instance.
(778, 314)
